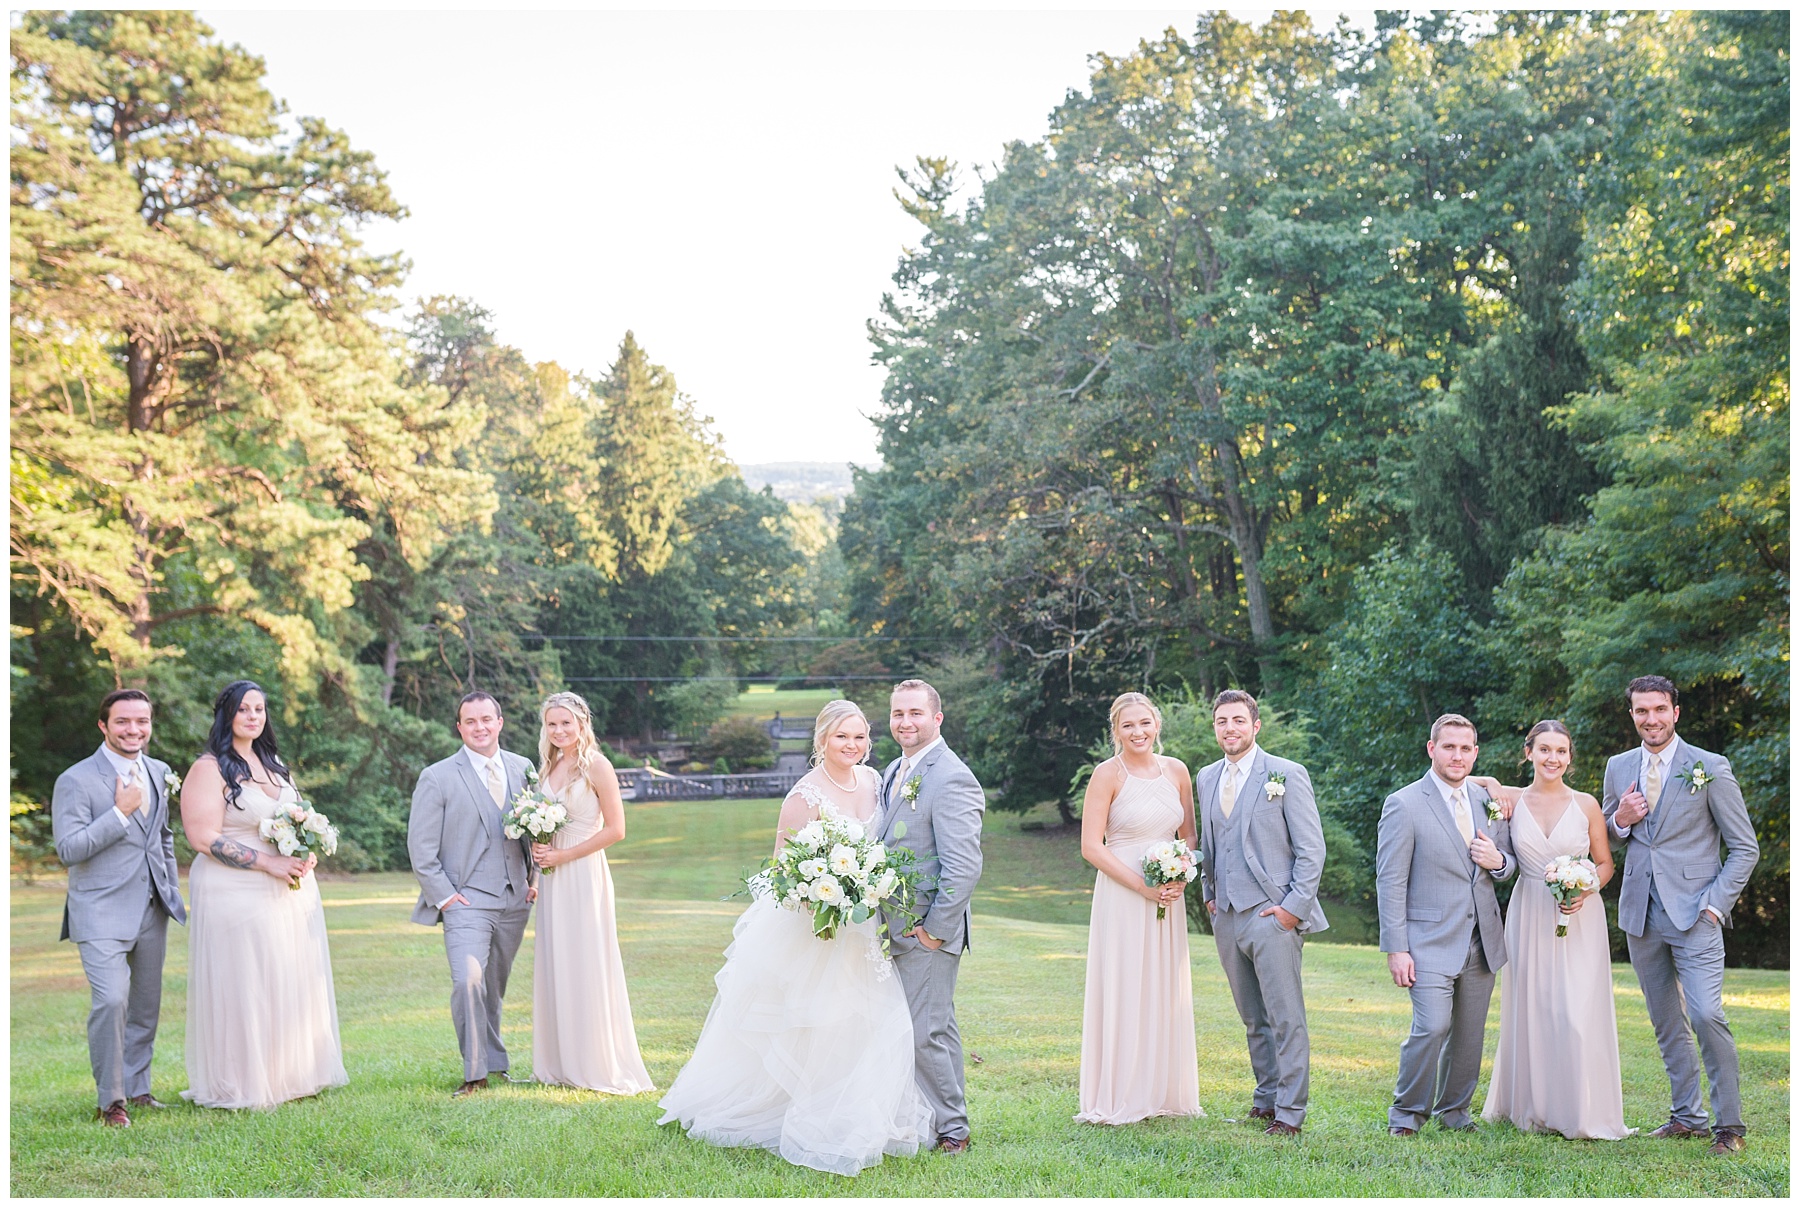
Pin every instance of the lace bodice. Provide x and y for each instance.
(821, 801)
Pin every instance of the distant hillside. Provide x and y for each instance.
(799, 481)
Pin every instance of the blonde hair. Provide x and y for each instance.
(1453, 719)
(587, 747)
(1123, 702)
(834, 712)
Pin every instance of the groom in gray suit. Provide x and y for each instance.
(939, 802)
(1673, 805)
(473, 879)
(1437, 859)
(1262, 852)
(109, 816)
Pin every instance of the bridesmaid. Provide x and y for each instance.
(1137, 1029)
(262, 1025)
(581, 1032)
(1557, 1067)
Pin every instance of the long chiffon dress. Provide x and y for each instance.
(581, 1031)
(1557, 1067)
(262, 1024)
(1137, 1028)
(807, 1049)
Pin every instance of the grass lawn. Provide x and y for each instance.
(764, 701)
(395, 1131)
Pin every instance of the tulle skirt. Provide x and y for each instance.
(262, 1023)
(807, 1049)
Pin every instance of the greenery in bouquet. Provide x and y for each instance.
(835, 870)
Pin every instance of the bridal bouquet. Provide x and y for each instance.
(533, 813)
(298, 829)
(1170, 860)
(836, 871)
(1568, 878)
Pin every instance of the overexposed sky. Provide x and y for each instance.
(720, 183)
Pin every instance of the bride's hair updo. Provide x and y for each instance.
(586, 745)
(1548, 726)
(829, 717)
(1124, 702)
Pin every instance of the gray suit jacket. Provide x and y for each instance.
(1676, 849)
(1284, 843)
(943, 826)
(455, 840)
(1430, 893)
(113, 869)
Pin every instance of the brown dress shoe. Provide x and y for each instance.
(1278, 1129)
(469, 1088)
(1403, 1132)
(953, 1145)
(1676, 1131)
(113, 1115)
(146, 1101)
(1726, 1143)
(1262, 1113)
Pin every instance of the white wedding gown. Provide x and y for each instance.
(808, 1047)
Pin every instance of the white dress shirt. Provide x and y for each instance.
(1238, 769)
(134, 767)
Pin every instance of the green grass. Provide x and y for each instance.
(395, 1131)
(764, 702)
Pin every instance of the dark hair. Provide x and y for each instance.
(113, 698)
(1653, 683)
(477, 695)
(232, 766)
(1237, 696)
(1548, 726)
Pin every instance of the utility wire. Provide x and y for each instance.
(733, 679)
(601, 637)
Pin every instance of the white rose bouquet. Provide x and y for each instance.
(299, 829)
(1170, 860)
(534, 814)
(1568, 878)
(835, 870)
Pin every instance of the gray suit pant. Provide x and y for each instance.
(1682, 974)
(1262, 966)
(929, 979)
(481, 942)
(1441, 1059)
(125, 977)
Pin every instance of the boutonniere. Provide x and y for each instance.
(1275, 786)
(1695, 777)
(1493, 810)
(171, 785)
(909, 792)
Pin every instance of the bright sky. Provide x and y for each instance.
(720, 183)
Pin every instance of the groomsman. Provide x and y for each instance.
(1262, 851)
(110, 819)
(1673, 805)
(1436, 863)
(473, 879)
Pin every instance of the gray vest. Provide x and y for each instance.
(1238, 888)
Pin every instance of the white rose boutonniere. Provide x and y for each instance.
(1275, 786)
(1696, 777)
(1494, 811)
(909, 793)
(171, 785)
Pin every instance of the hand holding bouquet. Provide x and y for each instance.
(533, 813)
(299, 830)
(1569, 877)
(1170, 860)
(835, 870)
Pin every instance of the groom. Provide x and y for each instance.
(1673, 805)
(1437, 859)
(938, 804)
(474, 879)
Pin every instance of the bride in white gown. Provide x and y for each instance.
(808, 1047)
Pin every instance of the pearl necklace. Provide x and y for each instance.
(834, 783)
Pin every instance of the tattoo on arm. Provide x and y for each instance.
(228, 851)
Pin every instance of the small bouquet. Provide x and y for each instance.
(1568, 878)
(533, 813)
(835, 870)
(1170, 860)
(299, 829)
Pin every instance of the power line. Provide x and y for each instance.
(624, 637)
(732, 679)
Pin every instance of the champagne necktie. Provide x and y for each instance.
(1464, 821)
(130, 778)
(496, 789)
(1228, 791)
(1652, 783)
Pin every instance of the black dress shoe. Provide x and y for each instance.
(1725, 1143)
(146, 1101)
(469, 1088)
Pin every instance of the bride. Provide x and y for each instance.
(808, 1047)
